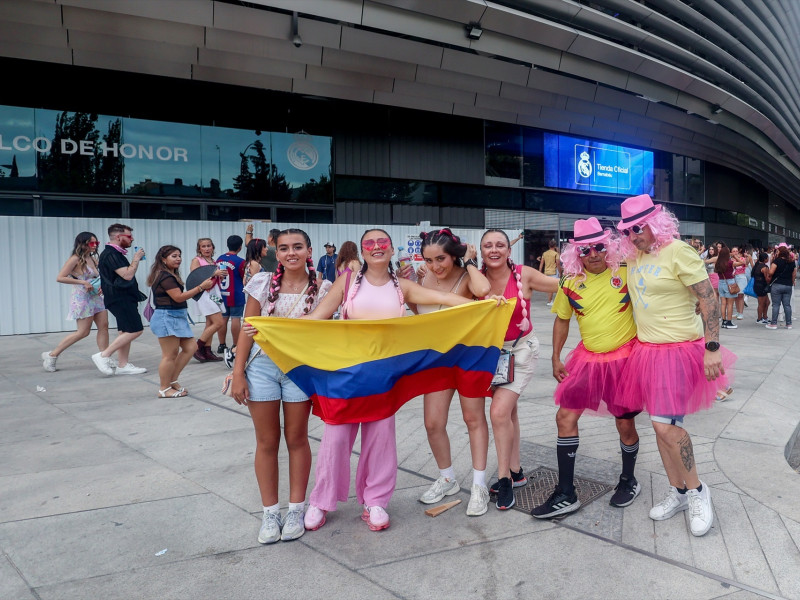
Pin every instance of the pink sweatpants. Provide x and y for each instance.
(376, 476)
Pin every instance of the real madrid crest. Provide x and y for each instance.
(584, 166)
(616, 282)
(302, 154)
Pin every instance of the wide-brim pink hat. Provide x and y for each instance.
(589, 231)
(637, 209)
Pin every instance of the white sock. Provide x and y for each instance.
(449, 473)
(275, 508)
(297, 505)
(479, 477)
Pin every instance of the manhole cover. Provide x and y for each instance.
(541, 483)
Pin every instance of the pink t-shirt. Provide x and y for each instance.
(376, 302)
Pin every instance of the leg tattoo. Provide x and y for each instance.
(687, 454)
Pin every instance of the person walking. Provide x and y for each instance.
(209, 302)
(549, 265)
(86, 304)
(782, 273)
(121, 296)
(595, 290)
(678, 366)
(170, 320)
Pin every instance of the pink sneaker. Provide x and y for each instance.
(376, 517)
(315, 518)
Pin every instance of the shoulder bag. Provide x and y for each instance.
(504, 372)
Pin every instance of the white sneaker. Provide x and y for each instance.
(49, 362)
(739, 316)
(439, 489)
(672, 503)
(701, 514)
(549, 304)
(293, 526)
(102, 364)
(270, 531)
(478, 501)
(130, 369)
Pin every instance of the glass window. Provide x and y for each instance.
(695, 181)
(304, 163)
(232, 212)
(532, 158)
(17, 155)
(457, 195)
(81, 208)
(503, 154)
(16, 206)
(141, 210)
(303, 215)
(383, 190)
(550, 202)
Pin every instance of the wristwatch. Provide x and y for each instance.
(472, 262)
(712, 346)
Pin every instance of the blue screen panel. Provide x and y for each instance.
(581, 164)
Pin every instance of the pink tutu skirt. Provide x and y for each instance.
(594, 380)
(670, 379)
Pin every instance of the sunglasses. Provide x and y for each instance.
(637, 229)
(93, 243)
(383, 244)
(586, 250)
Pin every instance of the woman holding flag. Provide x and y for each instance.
(291, 291)
(375, 293)
(511, 281)
(451, 265)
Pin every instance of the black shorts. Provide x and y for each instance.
(127, 315)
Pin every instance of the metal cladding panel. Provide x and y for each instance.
(36, 303)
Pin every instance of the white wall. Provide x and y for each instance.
(35, 249)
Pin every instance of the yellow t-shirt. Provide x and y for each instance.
(663, 305)
(602, 307)
(550, 259)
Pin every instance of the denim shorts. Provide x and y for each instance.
(668, 419)
(237, 312)
(723, 288)
(168, 322)
(741, 280)
(268, 383)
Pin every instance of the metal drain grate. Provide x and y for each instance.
(541, 483)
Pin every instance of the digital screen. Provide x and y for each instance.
(581, 164)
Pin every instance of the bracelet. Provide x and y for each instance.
(472, 262)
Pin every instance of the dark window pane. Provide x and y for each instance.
(694, 213)
(375, 190)
(232, 212)
(548, 202)
(503, 154)
(164, 211)
(532, 158)
(16, 206)
(454, 195)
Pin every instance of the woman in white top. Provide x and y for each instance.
(291, 291)
(451, 267)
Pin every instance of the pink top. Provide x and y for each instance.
(371, 302)
(512, 291)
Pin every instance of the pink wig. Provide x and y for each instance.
(573, 265)
(664, 226)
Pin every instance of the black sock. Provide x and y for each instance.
(682, 490)
(566, 449)
(629, 454)
(700, 489)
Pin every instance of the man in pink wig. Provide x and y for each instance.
(678, 366)
(594, 289)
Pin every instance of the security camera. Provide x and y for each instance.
(297, 40)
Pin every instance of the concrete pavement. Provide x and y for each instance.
(108, 492)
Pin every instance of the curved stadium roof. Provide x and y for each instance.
(715, 80)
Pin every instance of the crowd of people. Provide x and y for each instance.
(648, 305)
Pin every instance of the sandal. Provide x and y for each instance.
(179, 388)
(176, 393)
(722, 395)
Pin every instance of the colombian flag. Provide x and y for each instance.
(360, 371)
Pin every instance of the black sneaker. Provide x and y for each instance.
(221, 349)
(505, 494)
(627, 490)
(517, 480)
(558, 503)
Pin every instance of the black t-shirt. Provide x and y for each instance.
(161, 299)
(116, 288)
(783, 272)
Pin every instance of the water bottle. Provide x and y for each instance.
(136, 249)
(403, 260)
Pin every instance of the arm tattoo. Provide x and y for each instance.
(709, 308)
(687, 453)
